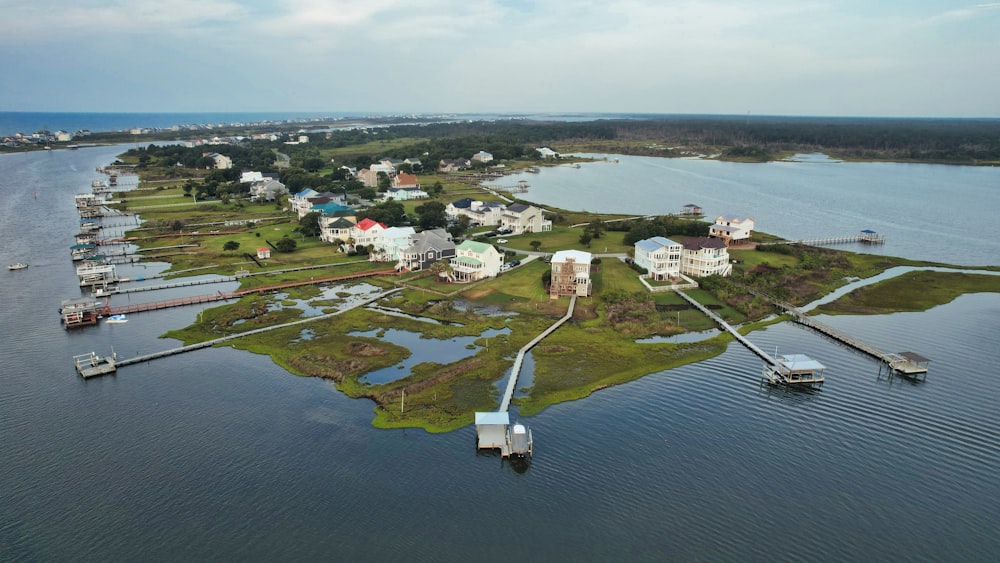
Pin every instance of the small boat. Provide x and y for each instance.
(113, 319)
(17, 266)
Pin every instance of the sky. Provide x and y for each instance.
(895, 58)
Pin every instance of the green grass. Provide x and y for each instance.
(565, 238)
(914, 291)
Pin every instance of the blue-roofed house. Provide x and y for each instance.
(661, 257)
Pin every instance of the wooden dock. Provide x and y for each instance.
(904, 363)
(726, 326)
(223, 296)
(92, 365)
(866, 237)
(208, 343)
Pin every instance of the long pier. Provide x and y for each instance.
(865, 238)
(223, 296)
(515, 371)
(728, 328)
(906, 363)
(209, 343)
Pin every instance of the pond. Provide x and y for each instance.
(442, 351)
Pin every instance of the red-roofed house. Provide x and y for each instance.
(263, 253)
(367, 232)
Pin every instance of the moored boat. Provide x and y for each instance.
(113, 319)
(17, 266)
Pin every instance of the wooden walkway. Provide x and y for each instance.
(726, 326)
(868, 239)
(515, 371)
(209, 343)
(897, 362)
(222, 296)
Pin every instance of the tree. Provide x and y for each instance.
(313, 164)
(384, 182)
(390, 213)
(309, 224)
(460, 227)
(437, 188)
(535, 244)
(432, 215)
(285, 244)
(585, 238)
(230, 246)
(596, 227)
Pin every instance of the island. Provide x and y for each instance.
(369, 211)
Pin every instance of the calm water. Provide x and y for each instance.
(221, 454)
(929, 212)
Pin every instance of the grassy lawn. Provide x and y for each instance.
(565, 238)
(378, 146)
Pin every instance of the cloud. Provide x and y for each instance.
(960, 15)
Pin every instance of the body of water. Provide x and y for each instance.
(926, 211)
(220, 454)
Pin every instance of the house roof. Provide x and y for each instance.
(366, 224)
(517, 207)
(463, 203)
(655, 243)
(468, 260)
(492, 418)
(474, 246)
(307, 193)
(340, 223)
(404, 179)
(800, 363)
(578, 256)
(701, 243)
(398, 232)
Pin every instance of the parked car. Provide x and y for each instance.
(514, 263)
(501, 241)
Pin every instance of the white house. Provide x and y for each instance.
(570, 274)
(222, 161)
(263, 253)
(251, 177)
(299, 203)
(732, 228)
(63, 136)
(389, 244)
(475, 261)
(546, 152)
(268, 190)
(367, 232)
(405, 194)
(520, 218)
(704, 256)
(482, 156)
(478, 212)
(661, 257)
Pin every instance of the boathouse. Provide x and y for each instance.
(795, 369)
(82, 311)
(908, 364)
(491, 430)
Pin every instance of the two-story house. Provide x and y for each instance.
(387, 247)
(335, 230)
(426, 248)
(475, 261)
(479, 212)
(705, 256)
(520, 218)
(661, 257)
(367, 232)
(482, 156)
(732, 228)
(570, 274)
